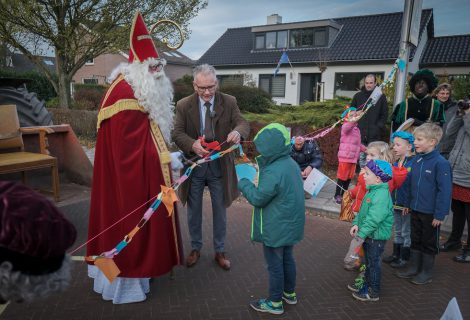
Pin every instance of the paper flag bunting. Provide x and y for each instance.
(108, 267)
(401, 65)
(169, 198)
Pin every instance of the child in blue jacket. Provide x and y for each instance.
(278, 215)
(428, 196)
(403, 146)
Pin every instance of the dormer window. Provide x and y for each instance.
(271, 40)
(301, 38)
(298, 35)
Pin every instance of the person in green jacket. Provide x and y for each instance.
(372, 227)
(278, 214)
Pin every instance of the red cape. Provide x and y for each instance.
(126, 174)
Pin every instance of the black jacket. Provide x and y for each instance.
(309, 155)
(372, 124)
(419, 110)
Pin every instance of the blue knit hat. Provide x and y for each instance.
(348, 110)
(405, 136)
(381, 169)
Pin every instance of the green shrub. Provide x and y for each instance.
(52, 103)
(249, 99)
(183, 87)
(461, 87)
(38, 84)
(313, 114)
(88, 96)
(83, 122)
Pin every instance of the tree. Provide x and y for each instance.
(80, 30)
(461, 86)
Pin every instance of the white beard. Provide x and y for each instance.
(154, 92)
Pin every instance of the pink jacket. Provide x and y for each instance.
(350, 143)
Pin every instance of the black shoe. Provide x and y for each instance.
(395, 254)
(404, 257)
(450, 246)
(399, 264)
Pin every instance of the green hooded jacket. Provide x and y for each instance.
(375, 218)
(279, 205)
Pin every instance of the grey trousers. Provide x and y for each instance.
(209, 175)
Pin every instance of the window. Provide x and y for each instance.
(297, 38)
(259, 42)
(230, 80)
(271, 40)
(301, 38)
(275, 86)
(90, 62)
(308, 38)
(281, 39)
(348, 83)
(90, 80)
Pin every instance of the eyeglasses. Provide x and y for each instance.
(203, 89)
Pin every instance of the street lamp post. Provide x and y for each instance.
(409, 33)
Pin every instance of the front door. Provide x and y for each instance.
(308, 86)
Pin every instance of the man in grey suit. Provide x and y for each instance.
(216, 117)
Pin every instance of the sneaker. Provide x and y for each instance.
(338, 199)
(464, 257)
(290, 298)
(357, 285)
(365, 294)
(265, 305)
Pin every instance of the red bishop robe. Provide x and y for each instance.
(127, 173)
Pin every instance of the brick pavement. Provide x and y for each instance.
(207, 292)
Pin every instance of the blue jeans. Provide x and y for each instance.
(373, 250)
(282, 272)
(402, 228)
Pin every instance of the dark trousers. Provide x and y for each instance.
(373, 250)
(461, 212)
(208, 174)
(424, 237)
(341, 184)
(281, 269)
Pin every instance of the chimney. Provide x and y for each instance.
(274, 19)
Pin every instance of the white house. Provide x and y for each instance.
(329, 57)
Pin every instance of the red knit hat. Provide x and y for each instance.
(34, 234)
(141, 42)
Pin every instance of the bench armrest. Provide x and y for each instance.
(41, 131)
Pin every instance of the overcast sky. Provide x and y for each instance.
(450, 16)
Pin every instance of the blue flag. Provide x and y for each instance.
(284, 59)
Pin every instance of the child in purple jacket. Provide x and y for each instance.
(349, 149)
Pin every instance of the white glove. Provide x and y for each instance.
(176, 161)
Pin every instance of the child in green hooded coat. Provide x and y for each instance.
(278, 215)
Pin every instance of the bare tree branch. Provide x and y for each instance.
(79, 30)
